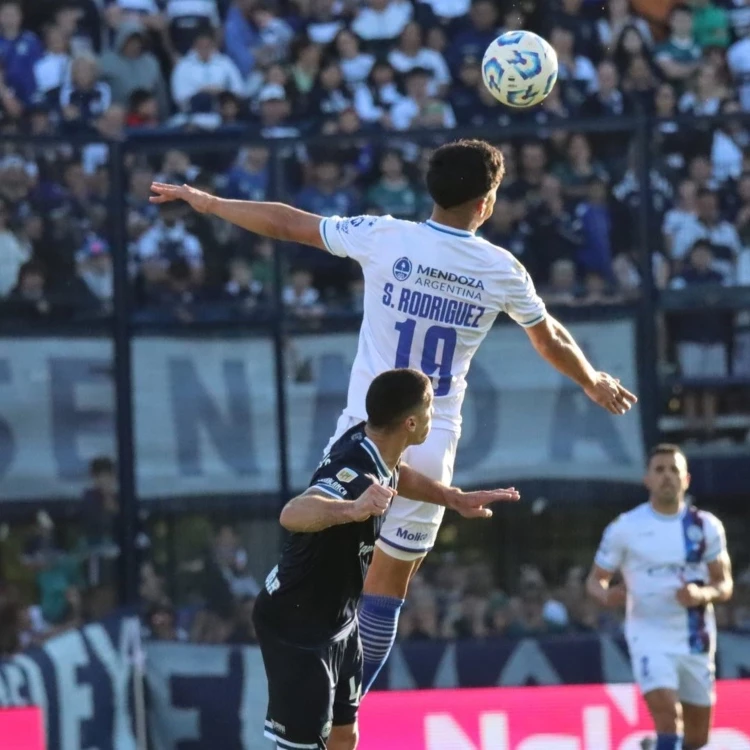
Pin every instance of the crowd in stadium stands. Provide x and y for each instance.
(108, 68)
(356, 69)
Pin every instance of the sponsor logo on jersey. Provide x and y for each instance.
(449, 276)
(411, 536)
(366, 549)
(278, 728)
(402, 269)
(332, 484)
(327, 727)
(346, 475)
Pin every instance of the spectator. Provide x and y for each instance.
(324, 196)
(563, 286)
(410, 53)
(705, 95)
(324, 23)
(393, 194)
(535, 612)
(729, 140)
(57, 576)
(700, 337)
(275, 113)
(166, 241)
(129, 67)
(418, 109)
(10, 623)
(579, 169)
(375, 99)
(143, 110)
(382, 20)
(569, 15)
(301, 297)
(738, 62)
(742, 216)
(28, 299)
(355, 64)
(708, 225)
(619, 17)
(188, 19)
(52, 69)
(244, 293)
(94, 265)
(13, 254)
(330, 95)
(248, 178)
(204, 71)
(19, 51)
(464, 95)
(595, 255)
(504, 230)
(162, 624)
(576, 74)
(631, 44)
(86, 97)
(678, 58)
(480, 33)
(710, 24)
(682, 215)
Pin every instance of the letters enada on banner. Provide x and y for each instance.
(205, 413)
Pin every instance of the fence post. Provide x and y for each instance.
(123, 381)
(274, 191)
(648, 371)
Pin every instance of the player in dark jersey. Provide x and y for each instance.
(306, 615)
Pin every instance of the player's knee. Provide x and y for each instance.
(666, 712)
(343, 738)
(388, 576)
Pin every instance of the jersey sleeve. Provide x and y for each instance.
(341, 480)
(611, 552)
(354, 237)
(522, 303)
(716, 540)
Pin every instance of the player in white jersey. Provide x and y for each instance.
(674, 563)
(432, 291)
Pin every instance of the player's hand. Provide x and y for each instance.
(472, 504)
(374, 501)
(616, 596)
(608, 393)
(196, 199)
(691, 595)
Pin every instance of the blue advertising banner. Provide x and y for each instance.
(205, 412)
(215, 696)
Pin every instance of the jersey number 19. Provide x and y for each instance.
(430, 362)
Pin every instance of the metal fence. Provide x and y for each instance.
(233, 403)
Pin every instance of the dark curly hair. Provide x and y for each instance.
(463, 171)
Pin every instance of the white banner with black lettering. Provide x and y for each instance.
(205, 412)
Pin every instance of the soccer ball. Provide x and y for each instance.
(519, 69)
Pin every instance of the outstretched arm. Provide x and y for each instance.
(417, 486)
(555, 344)
(275, 220)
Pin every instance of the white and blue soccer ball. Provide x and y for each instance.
(519, 68)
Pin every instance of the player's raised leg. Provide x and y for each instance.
(408, 534)
(666, 712)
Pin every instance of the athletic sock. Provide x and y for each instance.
(378, 622)
(668, 742)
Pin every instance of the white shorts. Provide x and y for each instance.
(692, 676)
(410, 527)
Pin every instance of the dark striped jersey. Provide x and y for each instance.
(311, 596)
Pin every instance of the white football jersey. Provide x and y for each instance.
(431, 294)
(657, 555)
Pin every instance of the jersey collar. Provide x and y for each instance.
(448, 230)
(372, 449)
(663, 517)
